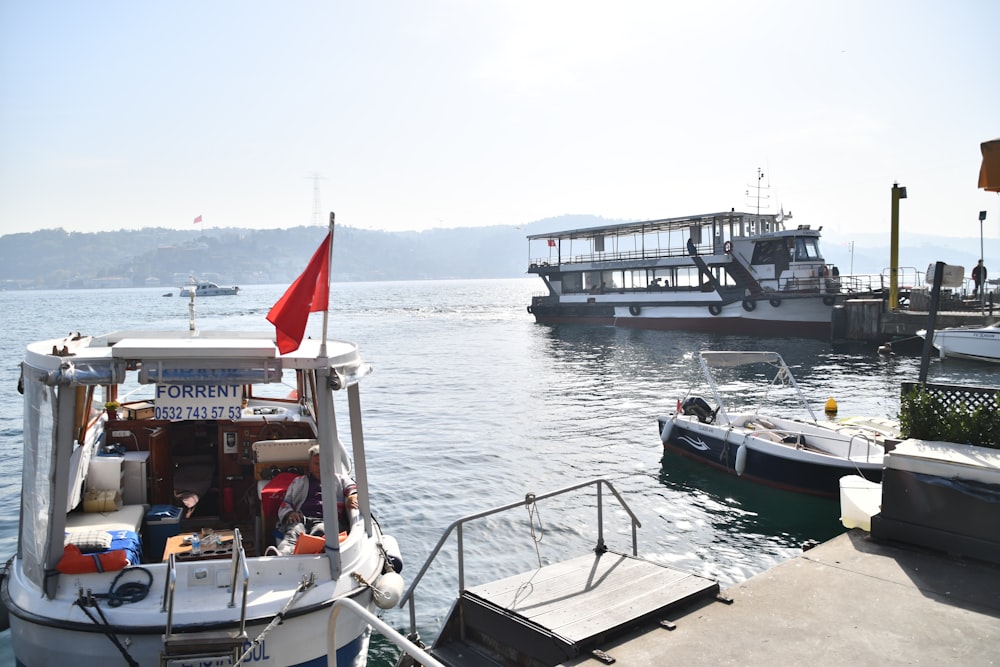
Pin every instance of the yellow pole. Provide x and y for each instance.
(897, 194)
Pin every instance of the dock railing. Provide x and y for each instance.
(457, 527)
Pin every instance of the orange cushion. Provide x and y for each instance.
(312, 544)
(309, 544)
(75, 562)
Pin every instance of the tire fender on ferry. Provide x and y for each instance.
(749, 305)
(774, 301)
(715, 309)
(727, 247)
(388, 590)
(828, 300)
(634, 310)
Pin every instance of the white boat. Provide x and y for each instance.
(801, 454)
(206, 288)
(976, 343)
(134, 442)
(736, 273)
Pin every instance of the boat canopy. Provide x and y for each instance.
(663, 225)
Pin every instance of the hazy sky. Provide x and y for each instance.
(450, 113)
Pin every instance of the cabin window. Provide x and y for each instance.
(807, 249)
(771, 252)
(591, 280)
(687, 276)
(572, 282)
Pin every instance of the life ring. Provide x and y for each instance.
(774, 301)
(728, 247)
(635, 310)
(828, 300)
(529, 310)
(749, 305)
(715, 309)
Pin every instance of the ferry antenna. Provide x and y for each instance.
(758, 187)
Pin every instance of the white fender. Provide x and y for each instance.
(388, 590)
(668, 426)
(741, 457)
(392, 552)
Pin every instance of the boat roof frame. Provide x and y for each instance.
(652, 226)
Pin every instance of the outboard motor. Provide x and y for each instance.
(699, 407)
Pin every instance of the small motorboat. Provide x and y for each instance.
(206, 288)
(801, 454)
(976, 343)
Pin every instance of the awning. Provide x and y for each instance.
(989, 173)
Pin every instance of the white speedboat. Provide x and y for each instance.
(801, 454)
(731, 273)
(206, 288)
(976, 343)
(137, 441)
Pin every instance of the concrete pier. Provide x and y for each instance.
(849, 601)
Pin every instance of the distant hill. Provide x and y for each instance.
(55, 258)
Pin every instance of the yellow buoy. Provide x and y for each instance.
(831, 406)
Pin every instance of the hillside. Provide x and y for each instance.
(56, 259)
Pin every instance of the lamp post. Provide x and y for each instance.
(982, 281)
(898, 192)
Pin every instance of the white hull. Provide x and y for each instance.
(98, 582)
(982, 344)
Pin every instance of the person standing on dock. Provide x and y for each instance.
(979, 277)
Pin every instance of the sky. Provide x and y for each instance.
(411, 115)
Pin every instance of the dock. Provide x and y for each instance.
(852, 600)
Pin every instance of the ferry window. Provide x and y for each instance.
(572, 282)
(687, 277)
(807, 249)
(770, 252)
(591, 279)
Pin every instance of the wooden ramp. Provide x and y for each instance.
(558, 612)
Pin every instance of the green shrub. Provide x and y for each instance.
(938, 415)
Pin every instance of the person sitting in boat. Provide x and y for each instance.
(302, 509)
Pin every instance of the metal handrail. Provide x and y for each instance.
(239, 559)
(239, 565)
(390, 633)
(170, 583)
(529, 498)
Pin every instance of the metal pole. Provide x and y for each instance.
(898, 193)
(982, 282)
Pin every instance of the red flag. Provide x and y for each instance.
(552, 243)
(310, 293)
(197, 220)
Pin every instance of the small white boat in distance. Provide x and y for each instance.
(205, 288)
(979, 344)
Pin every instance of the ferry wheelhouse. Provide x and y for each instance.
(738, 273)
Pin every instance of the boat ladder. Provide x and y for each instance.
(201, 644)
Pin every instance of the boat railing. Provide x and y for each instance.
(239, 571)
(458, 525)
(404, 644)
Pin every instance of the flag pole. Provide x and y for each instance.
(326, 311)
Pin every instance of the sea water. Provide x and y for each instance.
(472, 405)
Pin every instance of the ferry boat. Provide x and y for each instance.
(154, 463)
(206, 288)
(738, 273)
